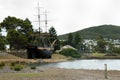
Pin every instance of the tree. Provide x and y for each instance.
(0, 27)
(18, 30)
(101, 44)
(52, 31)
(70, 39)
(116, 50)
(10, 23)
(77, 40)
(25, 28)
(2, 43)
(16, 39)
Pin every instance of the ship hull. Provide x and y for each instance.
(34, 53)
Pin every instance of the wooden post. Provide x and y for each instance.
(106, 77)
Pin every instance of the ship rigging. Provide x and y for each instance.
(43, 43)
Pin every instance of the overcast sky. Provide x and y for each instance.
(65, 15)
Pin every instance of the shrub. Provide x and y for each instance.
(70, 53)
(12, 64)
(116, 50)
(33, 67)
(2, 65)
(17, 67)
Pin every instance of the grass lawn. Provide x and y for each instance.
(18, 76)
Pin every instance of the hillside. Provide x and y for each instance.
(107, 31)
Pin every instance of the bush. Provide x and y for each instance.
(70, 53)
(2, 65)
(33, 67)
(12, 64)
(17, 67)
(116, 50)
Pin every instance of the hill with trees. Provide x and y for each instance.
(107, 31)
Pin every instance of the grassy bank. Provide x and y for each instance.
(100, 56)
(9, 58)
(57, 58)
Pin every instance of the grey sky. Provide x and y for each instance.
(65, 15)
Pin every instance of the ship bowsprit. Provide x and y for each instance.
(35, 52)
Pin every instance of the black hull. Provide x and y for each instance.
(34, 53)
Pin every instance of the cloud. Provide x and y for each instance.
(65, 15)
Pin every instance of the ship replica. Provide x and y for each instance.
(43, 44)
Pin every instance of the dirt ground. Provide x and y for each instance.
(52, 73)
(8, 58)
(57, 74)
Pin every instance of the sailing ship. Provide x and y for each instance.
(43, 44)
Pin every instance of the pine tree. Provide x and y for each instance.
(70, 39)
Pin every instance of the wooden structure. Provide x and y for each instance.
(42, 45)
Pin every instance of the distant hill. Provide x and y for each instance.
(107, 31)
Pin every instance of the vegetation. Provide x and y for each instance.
(101, 56)
(12, 64)
(70, 39)
(107, 31)
(77, 41)
(17, 67)
(74, 41)
(30, 75)
(2, 43)
(17, 41)
(9, 57)
(53, 33)
(19, 35)
(101, 45)
(18, 31)
(2, 65)
(33, 67)
(70, 53)
(59, 56)
(116, 50)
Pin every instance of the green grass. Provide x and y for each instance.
(21, 76)
(59, 56)
(18, 76)
(100, 56)
(15, 76)
(34, 74)
(97, 54)
(28, 75)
